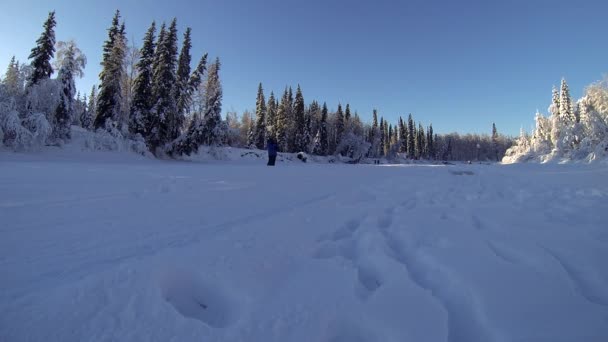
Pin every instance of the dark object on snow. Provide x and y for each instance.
(272, 152)
(462, 173)
(302, 156)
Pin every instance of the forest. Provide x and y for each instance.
(155, 101)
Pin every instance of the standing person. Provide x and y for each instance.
(272, 151)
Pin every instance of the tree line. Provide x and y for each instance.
(312, 128)
(152, 95)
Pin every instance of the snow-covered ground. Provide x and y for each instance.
(110, 247)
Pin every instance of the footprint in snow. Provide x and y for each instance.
(195, 298)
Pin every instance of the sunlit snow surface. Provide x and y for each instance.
(110, 247)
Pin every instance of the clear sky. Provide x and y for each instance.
(459, 65)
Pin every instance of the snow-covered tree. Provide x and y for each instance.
(72, 64)
(182, 87)
(42, 54)
(300, 122)
(339, 124)
(271, 117)
(282, 123)
(312, 113)
(323, 134)
(141, 119)
(110, 93)
(411, 138)
(260, 119)
(163, 88)
(208, 129)
(566, 111)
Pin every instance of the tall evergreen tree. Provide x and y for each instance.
(42, 54)
(85, 116)
(402, 136)
(420, 142)
(141, 109)
(431, 142)
(109, 98)
(411, 148)
(374, 134)
(311, 115)
(282, 123)
(495, 140)
(323, 134)
(387, 138)
(382, 137)
(213, 104)
(555, 106)
(91, 106)
(271, 117)
(347, 115)
(565, 105)
(390, 139)
(208, 129)
(300, 121)
(182, 92)
(65, 110)
(260, 119)
(339, 124)
(164, 82)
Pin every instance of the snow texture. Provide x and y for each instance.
(109, 246)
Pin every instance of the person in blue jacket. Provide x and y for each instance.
(272, 151)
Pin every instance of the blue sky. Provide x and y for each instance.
(459, 65)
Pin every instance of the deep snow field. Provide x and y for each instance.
(112, 247)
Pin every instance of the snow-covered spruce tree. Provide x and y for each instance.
(282, 124)
(260, 119)
(431, 143)
(411, 148)
(209, 129)
(300, 122)
(182, 88)
(291, 122)
(163, 89)
(72, 64)
(109, 99)
(86, 120)
(347, 116)
(311, 117)
(402, 136)
(271, 117)
(381, 138)
(323, 134)
(42, 54)
(374, 135)
(566, 111)
(420, 142)
(390, 141)
(339, 124)
(83, 114)
(387, 139)
(141, 107)
(495, 140)
(213, 104)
